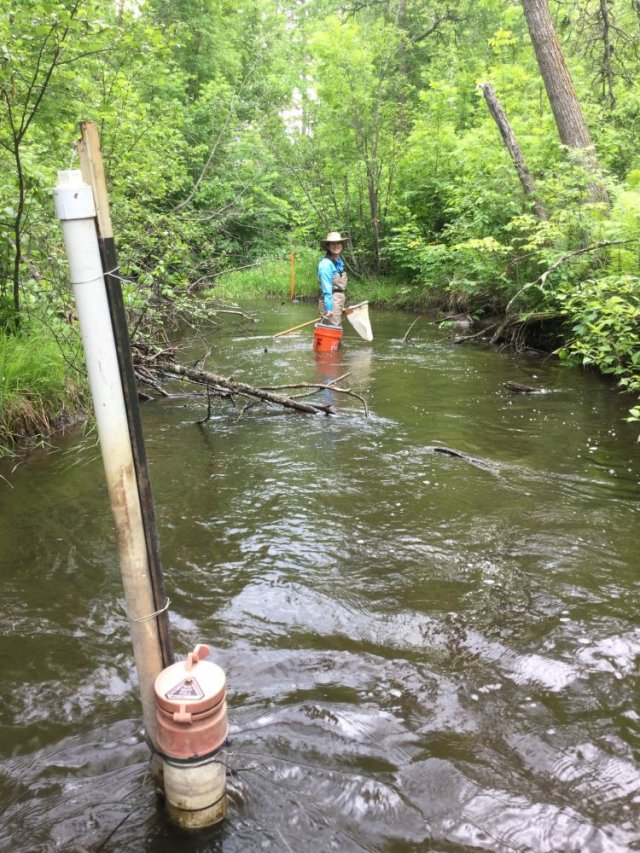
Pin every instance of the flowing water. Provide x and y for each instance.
(423, 651)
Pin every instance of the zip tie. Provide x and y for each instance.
(153, 615)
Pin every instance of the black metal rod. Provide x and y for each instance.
(121, 334)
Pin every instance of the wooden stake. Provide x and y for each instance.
(92, 168)
(292, 262)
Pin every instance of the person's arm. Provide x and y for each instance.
(325, 277)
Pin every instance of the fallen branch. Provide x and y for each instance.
(477, 334)
(145, 378)
(203, 377)
(207, 417)
(306, 384)
(406, 334)
(234, 311)
(321, 386)
(151, 365)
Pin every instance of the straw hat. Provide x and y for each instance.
(334, 237)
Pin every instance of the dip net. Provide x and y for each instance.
(358, 316)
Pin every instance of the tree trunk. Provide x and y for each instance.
(17, 230)
(509, 137)
(565, 106)
(607, 53)
(375, 221)
(347, 205)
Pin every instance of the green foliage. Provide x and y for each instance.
(270, 277)
(605, 316)
(29, 368)
(465, 275)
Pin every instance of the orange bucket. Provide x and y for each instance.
(326, 338)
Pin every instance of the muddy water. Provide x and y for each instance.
(424, 652)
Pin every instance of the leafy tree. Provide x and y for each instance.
(41, 42)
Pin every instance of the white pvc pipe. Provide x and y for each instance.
(75, 208)
(196, 793)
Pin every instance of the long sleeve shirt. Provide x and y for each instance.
(327, 268)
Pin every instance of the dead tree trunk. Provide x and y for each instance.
(509, 138)
(565, 105)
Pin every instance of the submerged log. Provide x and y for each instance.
(448, 451)
(519, 388)
(485, 464)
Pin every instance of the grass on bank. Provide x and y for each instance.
(268, 277)
(36, 392)
(273, 278)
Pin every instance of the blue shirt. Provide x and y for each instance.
(327, 268)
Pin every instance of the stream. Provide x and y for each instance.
(423, 651)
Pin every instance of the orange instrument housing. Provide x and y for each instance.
(191, 707)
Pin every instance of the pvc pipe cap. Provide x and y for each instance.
(73, 198)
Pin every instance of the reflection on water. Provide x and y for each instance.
(424, 652)
(343, 369)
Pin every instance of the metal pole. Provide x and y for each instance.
(76, 209)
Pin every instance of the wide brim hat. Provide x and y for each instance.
(334, 237)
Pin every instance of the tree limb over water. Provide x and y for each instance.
(152, 366)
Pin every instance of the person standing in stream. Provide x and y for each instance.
(332, 279)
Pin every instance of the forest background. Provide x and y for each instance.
(235, 132)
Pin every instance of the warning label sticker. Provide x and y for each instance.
(186, 690)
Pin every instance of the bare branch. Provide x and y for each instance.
(448, 16)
